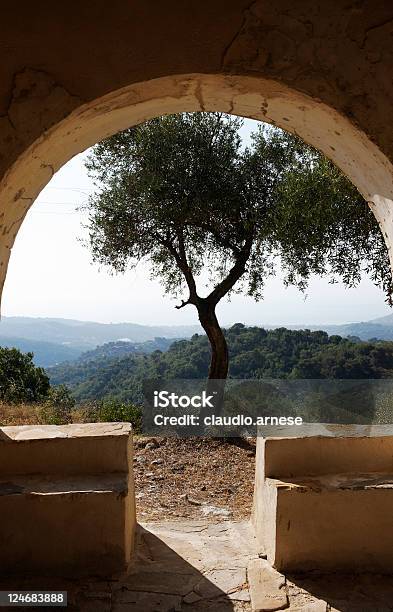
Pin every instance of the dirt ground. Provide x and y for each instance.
(193, 478)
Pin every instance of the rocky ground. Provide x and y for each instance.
(193, 478)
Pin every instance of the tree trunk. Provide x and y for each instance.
(218, 369)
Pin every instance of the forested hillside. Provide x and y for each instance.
(122, 348)
(254, 353)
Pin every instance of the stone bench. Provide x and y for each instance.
(325, 502)
(66, 499)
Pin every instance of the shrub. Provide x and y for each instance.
(112, 410)
(57, 409)
(20, 380)
(86, 412)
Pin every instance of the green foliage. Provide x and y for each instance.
(60, 397)
(23, 383)
(20, 380)
(112, 410)
(60, 409)
(57, 408)
(120, 348)
(254, 353)
(181, 192)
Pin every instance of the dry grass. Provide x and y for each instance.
(37, 414)
(20, 414)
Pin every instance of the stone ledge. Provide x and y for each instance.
(90, 448)
(352, 481)
(324, 430)
(308, 455)
(325, 503)
(43, 432)
(39, 485)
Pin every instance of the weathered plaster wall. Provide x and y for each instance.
(73, 73)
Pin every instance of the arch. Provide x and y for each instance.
(248, 96)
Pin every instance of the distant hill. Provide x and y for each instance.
(367, 330)
(386, 320)
(122, 348)
(55, 341)
(45, 353)
(86, 335)
(49, 354)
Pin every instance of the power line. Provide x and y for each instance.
(76, 209)
(37, 212)
(75, 206)
(82, 189)
(57, 203)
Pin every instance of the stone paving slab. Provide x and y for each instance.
(205, 567)
(267, 587)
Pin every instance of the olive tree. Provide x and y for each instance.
(182, 193)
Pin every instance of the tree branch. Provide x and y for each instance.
(183, 303)
(185, 268)
(182, 263)
(217, 235)
(235, 273)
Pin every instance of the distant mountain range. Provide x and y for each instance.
(45, 353)
(57, 340)
(86, 335)
(380, 329)
(387, 320)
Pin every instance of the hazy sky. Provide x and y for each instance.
(51, 275)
